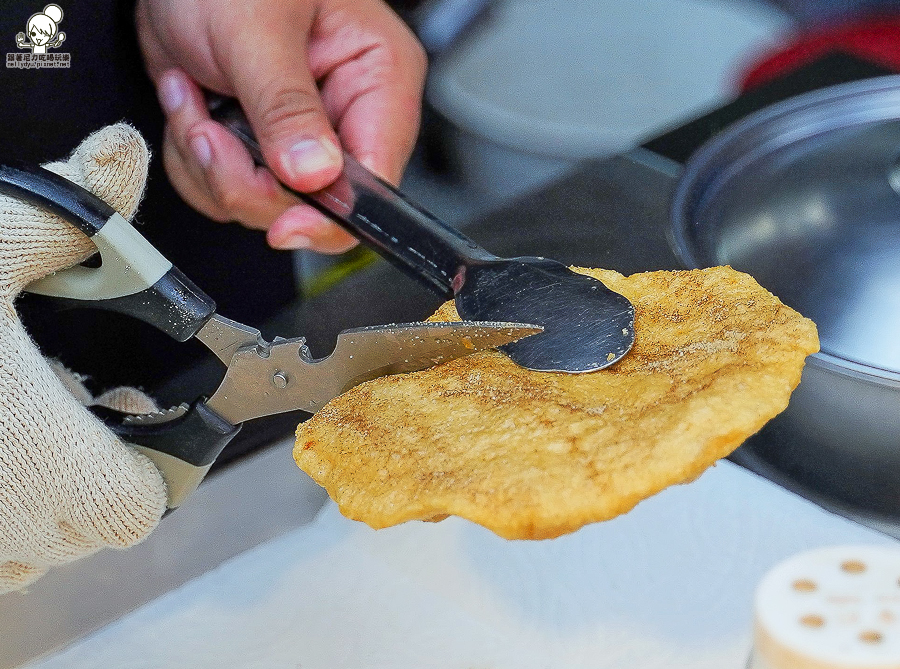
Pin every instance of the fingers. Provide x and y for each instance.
(215, 174)
(114, 162)
(208, 166)
(127, 400)
(111, 163)
(16, 575)
(265, 60)
(305, 74)
(71, 381)
(129, 497)
(303, 227)
(372, 88)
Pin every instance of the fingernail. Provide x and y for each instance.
(172, 93)
(376, 167)
(311, 155)
(294, 242)
(369, 162)
(201, 149)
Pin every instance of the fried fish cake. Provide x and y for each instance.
(533, 455)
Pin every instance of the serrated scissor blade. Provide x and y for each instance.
(284, 377)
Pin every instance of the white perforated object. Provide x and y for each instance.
(831, 608)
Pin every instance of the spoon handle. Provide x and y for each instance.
(404, 233)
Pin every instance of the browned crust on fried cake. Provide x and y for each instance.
(533, 455)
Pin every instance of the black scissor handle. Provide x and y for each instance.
(134, 278)
(183, 445)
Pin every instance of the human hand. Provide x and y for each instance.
(311, 75)
(68, 487)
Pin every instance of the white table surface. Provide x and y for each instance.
(668, 585)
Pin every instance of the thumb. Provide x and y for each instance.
(112, 163)
(279, 95)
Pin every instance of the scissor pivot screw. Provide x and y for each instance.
(280, 380)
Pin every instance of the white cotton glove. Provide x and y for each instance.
(68, 487)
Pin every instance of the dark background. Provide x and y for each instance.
(44, 115)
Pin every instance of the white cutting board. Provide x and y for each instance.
(666, 586)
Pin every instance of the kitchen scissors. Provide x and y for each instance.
(261, 378)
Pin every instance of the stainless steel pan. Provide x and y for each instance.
(804, 196)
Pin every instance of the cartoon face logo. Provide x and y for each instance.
(43, 31)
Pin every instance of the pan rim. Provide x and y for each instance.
(708, 171)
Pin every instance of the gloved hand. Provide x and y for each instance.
(68, 487)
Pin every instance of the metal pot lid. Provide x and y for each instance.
(805, 197)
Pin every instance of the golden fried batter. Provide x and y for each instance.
(532, 455)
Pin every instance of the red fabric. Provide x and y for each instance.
(874, 39)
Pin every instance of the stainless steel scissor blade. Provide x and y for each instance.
(262, 378)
